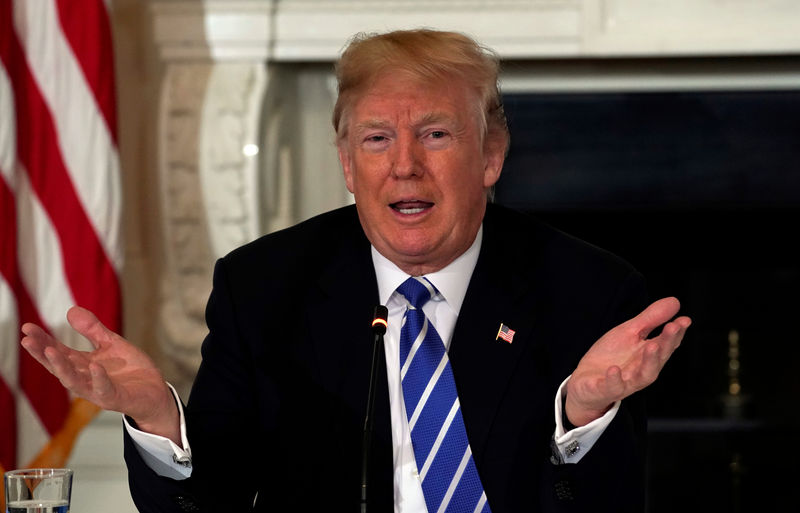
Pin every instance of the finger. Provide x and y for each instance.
(66, 372)
(671, 337)
(37, 339)
(33, 330)
(102, 386)
(651, 365)
(654, 315)
(683, 321)
(35, 348)
(87, 324)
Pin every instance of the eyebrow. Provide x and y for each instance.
(371, 123)
(427, 118)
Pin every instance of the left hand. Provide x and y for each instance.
(624, 361)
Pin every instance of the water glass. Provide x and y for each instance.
(38, 490)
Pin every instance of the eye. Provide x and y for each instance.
(436, 139)
(375, 142)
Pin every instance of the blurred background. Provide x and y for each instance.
(664, 131)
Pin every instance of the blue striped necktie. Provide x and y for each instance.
(449, 478)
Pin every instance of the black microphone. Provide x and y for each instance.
(378, 329)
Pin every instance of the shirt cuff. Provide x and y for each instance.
(571, 446)
(161, 454)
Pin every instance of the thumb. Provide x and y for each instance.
(87, 324)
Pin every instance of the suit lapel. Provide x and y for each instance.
(340, 323)
(341, 319)
(501, 290)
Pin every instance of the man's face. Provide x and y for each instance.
(415, 159)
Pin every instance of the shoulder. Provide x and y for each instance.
(594, 286)
(296, 257)
(305, 242)
(537, 244)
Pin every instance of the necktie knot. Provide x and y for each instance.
(417, 291)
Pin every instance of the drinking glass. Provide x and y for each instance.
(38, 490)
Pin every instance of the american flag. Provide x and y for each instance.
(60, 202)
(505, 333)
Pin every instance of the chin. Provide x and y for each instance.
(413, 246)
(413, 255)
(409, 253)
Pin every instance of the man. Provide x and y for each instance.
(275, 415)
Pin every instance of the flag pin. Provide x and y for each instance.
(505, 333)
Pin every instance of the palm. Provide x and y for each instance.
(116, 375)
(624, 361)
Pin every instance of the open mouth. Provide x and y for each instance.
(411, 207)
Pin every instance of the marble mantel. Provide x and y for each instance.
(244, 142)
(315, 30)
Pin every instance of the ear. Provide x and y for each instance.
(347, 168)
(493, 158)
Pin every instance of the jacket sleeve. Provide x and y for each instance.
(220, 422)
(611, 476)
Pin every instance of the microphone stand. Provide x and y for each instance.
(378, 329)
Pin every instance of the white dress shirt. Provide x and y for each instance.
(169, 460)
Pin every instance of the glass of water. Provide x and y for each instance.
(38, 490)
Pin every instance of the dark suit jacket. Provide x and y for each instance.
(278, 403)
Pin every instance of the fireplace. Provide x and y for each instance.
(700, 190)
(598, 91)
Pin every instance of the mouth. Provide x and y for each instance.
(411, 207)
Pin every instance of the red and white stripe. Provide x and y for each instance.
(60, 201)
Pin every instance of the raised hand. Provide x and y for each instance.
(624, 361)
(116, 375)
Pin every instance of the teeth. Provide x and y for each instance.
(416, 210)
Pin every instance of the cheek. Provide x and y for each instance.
(367, 176)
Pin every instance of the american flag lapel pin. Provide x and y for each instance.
(505, 333)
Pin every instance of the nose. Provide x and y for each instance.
(407, 159)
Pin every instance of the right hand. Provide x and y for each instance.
(116, 375)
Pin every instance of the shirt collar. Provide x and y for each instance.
(451, 281)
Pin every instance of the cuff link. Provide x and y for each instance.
(572, 448)
(183, 461)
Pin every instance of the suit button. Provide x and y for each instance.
(563, 490)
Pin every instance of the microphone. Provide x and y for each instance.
(379, 324)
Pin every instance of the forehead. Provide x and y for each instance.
(392, 97)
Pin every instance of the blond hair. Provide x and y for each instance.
(425, 55)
